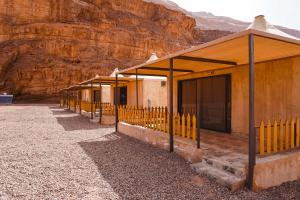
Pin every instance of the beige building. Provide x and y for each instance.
(152, 92)
(238, 96)
(277, 94)
(106, 95)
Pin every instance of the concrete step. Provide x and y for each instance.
(224, 178)
(236, 168)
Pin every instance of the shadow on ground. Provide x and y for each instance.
(136, 170)
(73, 123)
(62, 112)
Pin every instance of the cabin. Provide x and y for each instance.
(131, 92)
(233, 107)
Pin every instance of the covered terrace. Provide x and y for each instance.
(247, 48)
(94, 105)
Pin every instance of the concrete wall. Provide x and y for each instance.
(277, 91)
(184, 147)
(275, 170)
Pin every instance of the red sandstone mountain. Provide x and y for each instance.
(47, 45)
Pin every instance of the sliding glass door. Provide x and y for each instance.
(212, 96)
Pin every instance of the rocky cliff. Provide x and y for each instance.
(46, 45)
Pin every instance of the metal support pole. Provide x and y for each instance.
(80, 99)
(137, 88)
(65, 100)
(100, 99)
(75, 101)
(252, 134)
(171, 105)
(77, 94)
(198, 125)
(71, 98)
(63, 94)
(92, 100)
(69, 101)
(60, 99)
(116, 103)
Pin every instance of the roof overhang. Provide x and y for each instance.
(225, 52)
(77, 87)
(107, 80)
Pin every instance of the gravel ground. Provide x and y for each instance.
(47, 153)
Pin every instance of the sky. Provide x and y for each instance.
(278, 12)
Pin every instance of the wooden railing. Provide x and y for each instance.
(158, 118)
(279, 136)
(86, 106)
(108, 109)
(72, 103)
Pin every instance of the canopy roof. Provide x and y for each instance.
(261, 24)
(78, 87)
(226, 52)
(107, 80)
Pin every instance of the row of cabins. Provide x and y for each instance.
(95, 98)
(231, 106)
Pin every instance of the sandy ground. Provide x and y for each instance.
(48, 153)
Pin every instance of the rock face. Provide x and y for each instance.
(47, 45)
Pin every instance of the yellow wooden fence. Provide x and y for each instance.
(72, 103)
(279, 136)
(158, 118)
(86, 106)
(108, 109)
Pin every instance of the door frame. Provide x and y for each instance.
(228, 106)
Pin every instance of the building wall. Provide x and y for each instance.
(86, 95)
(154, 94)
(151, 93)
(112, 94)
(106, 94)
(131, 93)
(277, 91)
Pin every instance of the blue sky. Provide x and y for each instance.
(280, 12)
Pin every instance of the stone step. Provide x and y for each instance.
(238, 169)
(224, 178)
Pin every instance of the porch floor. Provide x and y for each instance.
(228, 148)
(225, 158)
